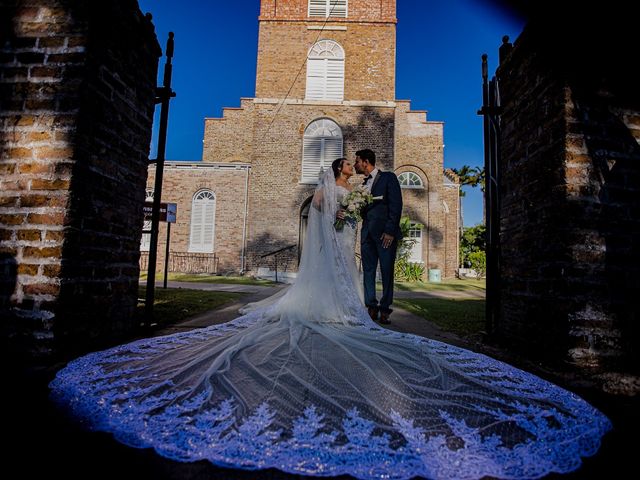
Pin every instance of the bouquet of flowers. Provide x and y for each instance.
(353, 203)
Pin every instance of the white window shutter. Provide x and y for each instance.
(338, 8)
(316, 74)
(202, 222)
(324, 8)
(325, 71)
(332, 150)
(208, 226)
(312, 159)
(196, 226)
(317, 8)
(322, 144)
(335, 80)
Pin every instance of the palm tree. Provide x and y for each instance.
(472, 176)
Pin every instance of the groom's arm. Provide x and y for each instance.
(394, 194)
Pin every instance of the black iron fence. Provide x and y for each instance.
(186, 262)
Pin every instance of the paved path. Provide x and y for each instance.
(401, 320)
(259, 289)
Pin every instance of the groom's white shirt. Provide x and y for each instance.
(369, 184)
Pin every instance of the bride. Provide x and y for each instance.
(307, 383)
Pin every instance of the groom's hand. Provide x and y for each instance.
(340, 214)
(387, 240)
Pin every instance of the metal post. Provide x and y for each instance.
(491, 111)
(163, 95)
(487, 169)
(166, 255)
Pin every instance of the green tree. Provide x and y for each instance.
(478, 261)
(472, 177)
(473, 240)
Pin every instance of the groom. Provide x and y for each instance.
(380, 233)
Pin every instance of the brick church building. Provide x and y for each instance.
(325, 88)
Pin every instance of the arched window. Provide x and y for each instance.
(325, 8)
(145, 242)
(410, 180)
(322, 144)
(325, 71)
(203, 216)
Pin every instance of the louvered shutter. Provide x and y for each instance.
(208, 218)
(334, 80)
(325, 71)
(316, 74)
(322, 8)
(332, 150)
(338, 8)
(196, 226)
(202, 222)
(317, 8)
(312, 159)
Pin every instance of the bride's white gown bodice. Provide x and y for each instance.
(347, 240)
(309, 384)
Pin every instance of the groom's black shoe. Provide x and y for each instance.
(384, 318)
(373, 313)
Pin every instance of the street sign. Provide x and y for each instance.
(168, 211)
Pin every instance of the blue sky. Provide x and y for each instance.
(439, 45)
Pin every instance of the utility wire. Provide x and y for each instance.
(301, 67)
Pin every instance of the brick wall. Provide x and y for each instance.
(369, 59)
(402, 139)
(230, 138)
(182, 181)
(276, 196)
(358, 11)
(76, 102)
(570, 176)
(419, 148)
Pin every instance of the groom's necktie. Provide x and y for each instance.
(366, 179)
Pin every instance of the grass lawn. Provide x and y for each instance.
(175, 304)
(454, 284)
(207, 278)
(462, 317)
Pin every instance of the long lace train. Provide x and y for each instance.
(305, 382)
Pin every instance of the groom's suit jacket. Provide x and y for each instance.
(383, 216)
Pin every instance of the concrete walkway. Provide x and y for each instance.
(401, 320)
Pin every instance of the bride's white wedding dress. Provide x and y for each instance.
(308, 384)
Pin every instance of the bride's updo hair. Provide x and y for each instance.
(336, 166)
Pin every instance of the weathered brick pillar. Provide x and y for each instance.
(77, 94)
(570, 212)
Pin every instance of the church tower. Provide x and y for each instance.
(349, 47)
(325, 88)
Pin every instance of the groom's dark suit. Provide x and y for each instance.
(381, 216)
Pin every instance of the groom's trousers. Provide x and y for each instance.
(373, 253)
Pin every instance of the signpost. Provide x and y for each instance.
(163, 95)
(168, 213)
